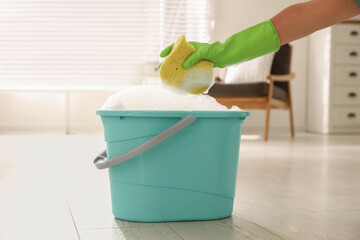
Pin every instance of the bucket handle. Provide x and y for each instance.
(102, 162)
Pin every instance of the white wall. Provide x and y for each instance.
(51, 112)
(74, 111)
(232, 16)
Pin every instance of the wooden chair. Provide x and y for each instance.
(274, 93)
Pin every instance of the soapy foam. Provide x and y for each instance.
(196, 82)
(160, 98)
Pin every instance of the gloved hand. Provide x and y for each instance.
(251, 43)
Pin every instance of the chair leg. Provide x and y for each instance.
(290, 112)
(267, 121)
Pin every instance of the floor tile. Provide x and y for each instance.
(32, 203)
(148, 233)
(299, 225)
(230, 228)
(302, 188)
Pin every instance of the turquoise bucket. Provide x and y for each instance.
(171, 165)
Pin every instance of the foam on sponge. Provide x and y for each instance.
(196, 79)
(160, 98)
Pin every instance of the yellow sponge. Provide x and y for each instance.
(195, 80)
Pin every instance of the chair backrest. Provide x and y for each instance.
(282, 60)
(282, 64)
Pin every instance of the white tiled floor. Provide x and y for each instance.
(308, 188)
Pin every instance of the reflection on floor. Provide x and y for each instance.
(308, 188)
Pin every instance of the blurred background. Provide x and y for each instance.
(60, 60)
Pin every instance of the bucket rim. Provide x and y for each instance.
(171, 113)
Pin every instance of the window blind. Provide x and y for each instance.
(92, 43)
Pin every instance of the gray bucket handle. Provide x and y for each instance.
(102, 162)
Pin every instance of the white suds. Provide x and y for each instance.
(161, 98)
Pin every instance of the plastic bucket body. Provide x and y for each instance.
(189, 176)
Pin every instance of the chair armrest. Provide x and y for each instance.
(218, 79)
(282, 77)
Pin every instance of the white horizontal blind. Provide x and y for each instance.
(91, 43)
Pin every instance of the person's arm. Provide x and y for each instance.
(292, 23)
(302, 19)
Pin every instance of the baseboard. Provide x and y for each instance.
(260, 129)
(33, 129)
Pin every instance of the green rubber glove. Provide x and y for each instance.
(251, 43)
